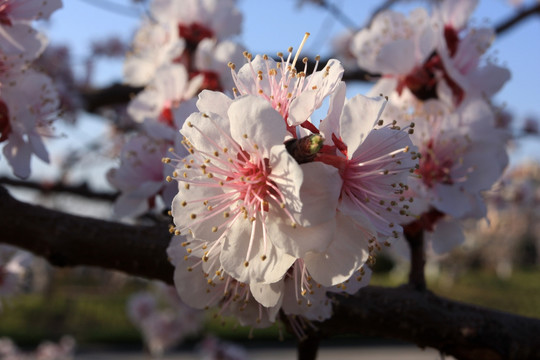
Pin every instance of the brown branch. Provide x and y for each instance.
(517, 18)
(69, 240)
(82, 190)
(118, 94)
(420, 317)
(462, 330)
(115, 94)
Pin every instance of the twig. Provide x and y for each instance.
(81, 190)
(517, 18)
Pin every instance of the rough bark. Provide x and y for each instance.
(420, 317)
(70, 240)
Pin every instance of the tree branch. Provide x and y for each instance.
(462, 330)
(420, 317)
(69, 240)
(517, 18)
(81, 190)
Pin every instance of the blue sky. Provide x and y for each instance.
(273, 26)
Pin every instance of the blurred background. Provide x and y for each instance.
(497, 267)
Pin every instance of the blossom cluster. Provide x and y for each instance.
(278, 203)
(273, 211)
(434, 70)
(180, 49)
(28, 101)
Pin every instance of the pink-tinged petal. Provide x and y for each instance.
(246, 76)
(456, 13)
(385, 86)
(189, 211)
(268, 295)
(490, 79)
(299, 240)
(358, 280)
(21, 39)
(234, 255)
(397, 57)
(452, 200)
(319, 194)
(320, 85)
(182, 112)
(128, 205)
(447, 235)
(38, 147)
(487, 162)
(135, 202)
(344, 255)
(31, 10)
(17, 153)
(158, 130)
(206, 132)
(252, 313)
(146, 105)
(288, 176)
(358, 118)
(193, 288)
(214, 102)
(313, 305)
(254, 121)
(330, 125)
(176, 252)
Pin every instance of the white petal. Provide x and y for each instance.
(446, 236)
(345, 254)
(234, 253)
(359, 116)
(320, 85)
(330, 125)
(255, 117)
(214, 102)
(267, 295)
(319, 194)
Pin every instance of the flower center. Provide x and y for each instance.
(279, 85)
(244, 179)
(5, 125)
(194, 34)
(434, 169)
(210, 80)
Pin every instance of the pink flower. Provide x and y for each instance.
(141, 176)
(154, 45)
(237, 181)
(199, 19)
(28, 106)
(294, 95)
(375, 160)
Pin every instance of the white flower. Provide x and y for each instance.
(154, 45)
(202, 283)
(238, 179)
(211, 61)
(396, 46)
(294, 95)
(199, 19)
(374, 159)
(28, 105)
(141, 176)
(462, 155)
(168, 89)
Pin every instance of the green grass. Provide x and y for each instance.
(96, 314)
